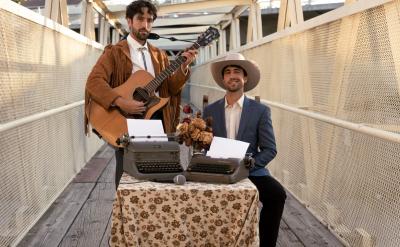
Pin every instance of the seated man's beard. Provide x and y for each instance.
(233, 90)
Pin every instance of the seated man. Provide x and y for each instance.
(237, 117)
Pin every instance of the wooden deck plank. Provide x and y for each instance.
(53, 225)
(106, 236)
(108, 175)
(106, 151)
(305, 226)
(286, 237)
(89, 227)
(92, 170)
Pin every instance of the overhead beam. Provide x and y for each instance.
(196, 20)
(282, 15)
(222, 42)
(235, 13)
(238, 10)
(193, 6)
(104, 31)
(234, 34)
(87, 24)
(63, 14)
(259, 21)
(254, 24)
(108, 15)
(203, 5)
(226, 24)
(56, 10)
(168, 45)
(290, 14)
(184, 30)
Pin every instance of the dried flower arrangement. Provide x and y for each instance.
(194, 131)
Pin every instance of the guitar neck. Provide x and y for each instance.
(156, 82)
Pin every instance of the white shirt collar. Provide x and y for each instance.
(239, 102)
(133, 44)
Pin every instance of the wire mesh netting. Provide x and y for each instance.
(347, 69)
(40, 69)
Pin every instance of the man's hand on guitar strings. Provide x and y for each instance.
(130, 106)
(190, 56)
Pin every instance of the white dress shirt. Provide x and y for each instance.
(137, 59)
(232, 117)
(136, 56)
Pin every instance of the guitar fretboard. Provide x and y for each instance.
(174, 65)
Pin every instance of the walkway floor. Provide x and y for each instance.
(81, 215)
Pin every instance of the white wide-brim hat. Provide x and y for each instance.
(251, 68)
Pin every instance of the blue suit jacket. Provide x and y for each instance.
(255, 128)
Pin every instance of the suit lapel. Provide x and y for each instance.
(154, 59)
(243, 117)
(220, 118)
(125, 49)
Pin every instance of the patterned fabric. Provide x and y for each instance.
(194, 214)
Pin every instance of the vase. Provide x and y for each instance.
(197, 149)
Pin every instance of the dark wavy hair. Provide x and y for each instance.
(137, 7)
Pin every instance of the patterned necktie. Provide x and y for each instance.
(141, 50)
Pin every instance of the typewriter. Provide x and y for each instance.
(153, 160)
(217, 170)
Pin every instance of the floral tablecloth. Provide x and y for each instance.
(194, 214)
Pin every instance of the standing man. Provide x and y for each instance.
(237, 117)
(119, 61)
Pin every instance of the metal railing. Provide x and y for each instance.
(333, 86)
(43, 69)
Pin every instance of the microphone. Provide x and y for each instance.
(156, 36)
(153, 36)
(179, 179)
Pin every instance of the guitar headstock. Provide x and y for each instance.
(208, 36)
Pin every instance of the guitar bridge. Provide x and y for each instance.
(153, 100)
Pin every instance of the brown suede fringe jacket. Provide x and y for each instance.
(114, 67)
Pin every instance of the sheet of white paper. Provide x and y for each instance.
(141, 128)
(227, 148)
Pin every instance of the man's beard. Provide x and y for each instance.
(233, 89)
(139, 35)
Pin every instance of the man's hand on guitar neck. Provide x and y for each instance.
(190, 56)
(130, 106)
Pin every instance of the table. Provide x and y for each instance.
(195, 214)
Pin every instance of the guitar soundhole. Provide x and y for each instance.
(141, 94)
(150, 103)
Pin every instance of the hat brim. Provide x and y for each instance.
(253, 72)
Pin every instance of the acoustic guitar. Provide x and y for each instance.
(111, 124)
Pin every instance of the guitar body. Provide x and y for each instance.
(111, 124)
